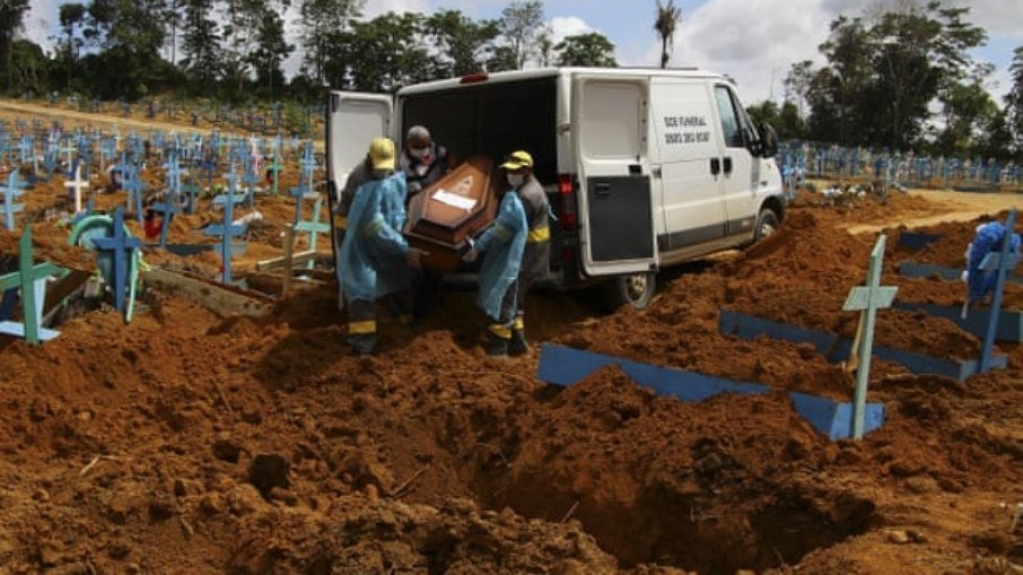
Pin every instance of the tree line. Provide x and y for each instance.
(899, 78)
(235, 49)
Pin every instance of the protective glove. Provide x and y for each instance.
(471, 254)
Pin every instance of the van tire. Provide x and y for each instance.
(767, 224)
(635, 290)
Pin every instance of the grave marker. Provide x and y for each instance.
(76, 185)
(31, 279)
(228, 229)
(12, 191)
(123, 251)
(867, 299)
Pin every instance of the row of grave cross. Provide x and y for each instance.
(821, 160)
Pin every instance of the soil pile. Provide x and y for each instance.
(185, 442)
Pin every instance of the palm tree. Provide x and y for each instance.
(668, 16)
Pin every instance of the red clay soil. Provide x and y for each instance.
(186, 442)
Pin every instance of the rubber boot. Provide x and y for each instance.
(518, 345)
(497, 341)
(362, 326)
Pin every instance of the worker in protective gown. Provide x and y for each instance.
(988, 238)
(503, 245)
(376, 260)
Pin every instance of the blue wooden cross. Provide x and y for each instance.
(1002, 262)
(313, 225)
(12, 191)
(26, 147)
(121, 247)
(31, 279)
(132, 184)
(867, 299)
(168, 208)
(228, 229)
(274, 168)
(69, 149)
(50, 160)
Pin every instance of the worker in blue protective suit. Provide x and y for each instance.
(503, 245)
(988, 238)
(375, 259)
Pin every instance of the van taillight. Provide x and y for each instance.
(474, 78)
(566, 194)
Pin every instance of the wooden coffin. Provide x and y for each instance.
(458, 206)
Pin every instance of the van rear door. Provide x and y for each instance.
(353, 119)
(615, 206)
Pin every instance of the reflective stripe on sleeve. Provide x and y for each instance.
(539, 234)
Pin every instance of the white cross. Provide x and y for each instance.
(78, 184)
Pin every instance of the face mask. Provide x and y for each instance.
(516, 180)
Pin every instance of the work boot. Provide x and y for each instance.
(518, 345)
(497, 345)
(362, 344)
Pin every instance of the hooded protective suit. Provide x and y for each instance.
(502, 245)
(373, 251)
(989, 238)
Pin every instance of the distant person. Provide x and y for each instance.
(374, 259)
(503, 246)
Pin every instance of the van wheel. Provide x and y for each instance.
(635, 290)
(767, 224)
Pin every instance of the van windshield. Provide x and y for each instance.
(492, 119)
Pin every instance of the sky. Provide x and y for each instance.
(753, 41)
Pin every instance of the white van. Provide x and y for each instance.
(645, 168)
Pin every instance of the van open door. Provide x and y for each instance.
(617, 234)
(353, 119)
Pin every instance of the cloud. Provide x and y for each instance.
(564, 26)
(42, 21)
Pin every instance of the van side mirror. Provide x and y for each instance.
(768, 141)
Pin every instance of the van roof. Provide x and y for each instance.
(538, 73)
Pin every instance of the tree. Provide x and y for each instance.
(271, 49)
(464, 45)
(1014, 101)
(797, 84)
(545, 46)
(382, 55)
(29, 68)
(323, 21)
(130, 38)
(967, 108)
(71, 17)
(883, 77)
(791, 125)
(591, 49)
(200, 44)
(521, 24)
(12, 14)
(667, 19)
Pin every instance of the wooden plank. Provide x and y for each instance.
(297, 258)
(217, 298)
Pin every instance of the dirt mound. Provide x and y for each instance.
(185, 442)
